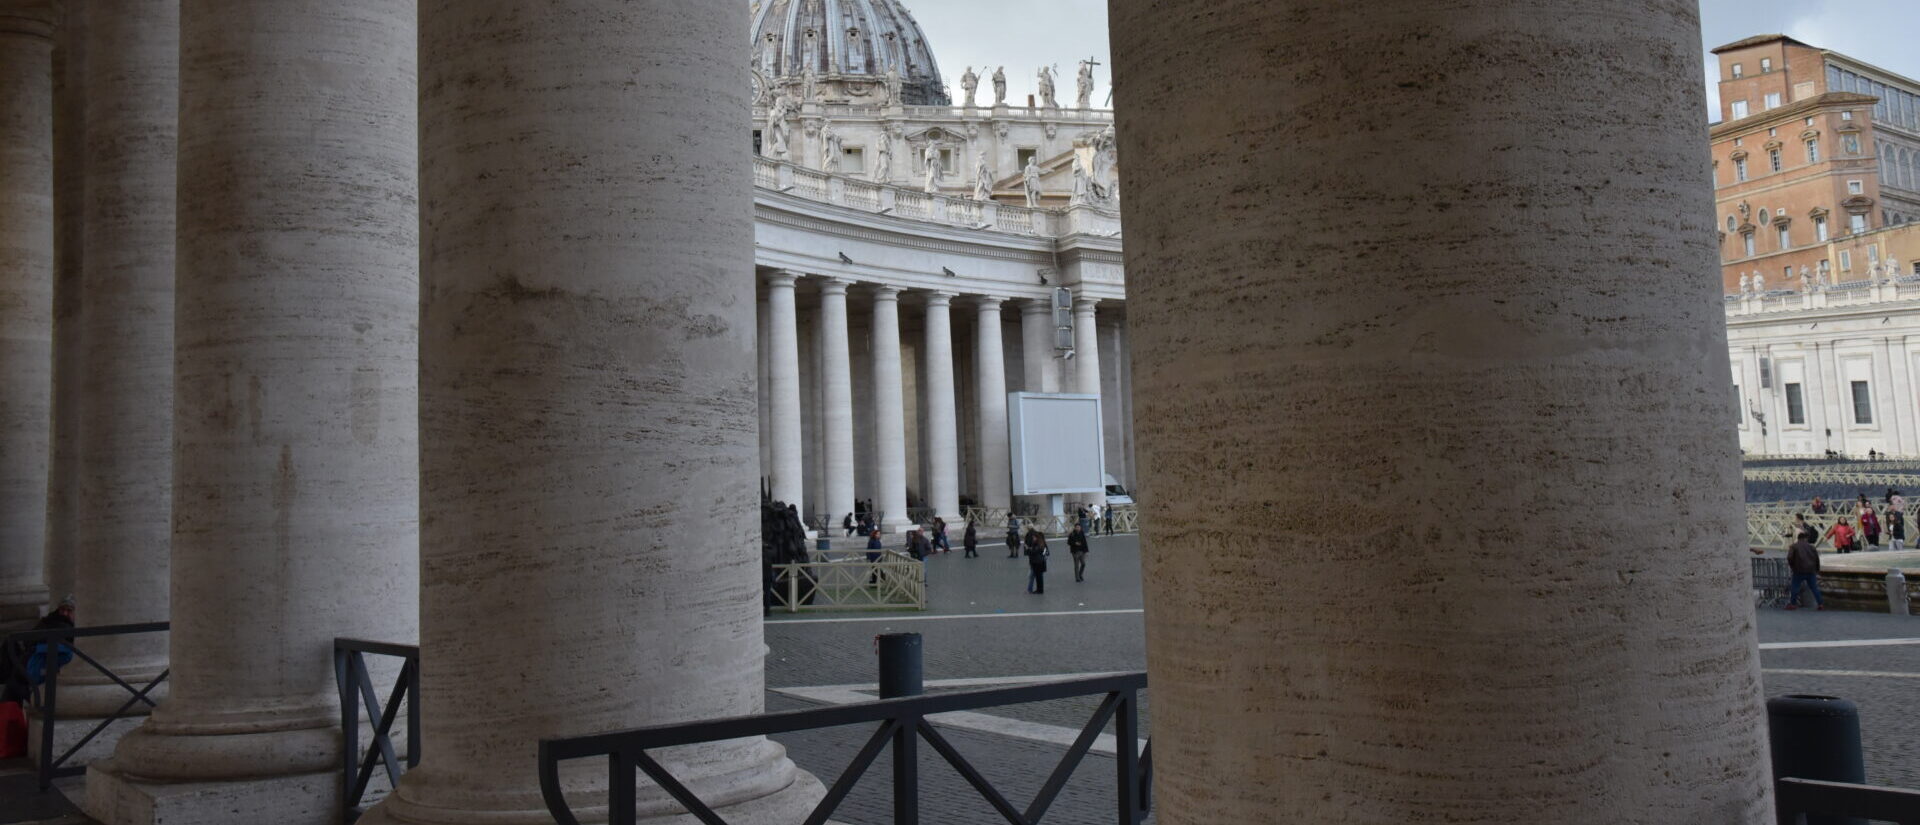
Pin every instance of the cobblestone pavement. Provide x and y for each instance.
(981, 623)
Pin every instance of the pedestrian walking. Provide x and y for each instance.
(1013, 538)
(1803, 530)
(1077, 547)
(940, 539)
(971, 541)
(873, 545)
(1869, 524)
(1804, 562)
(1036, 561)
(1896, 529)
(1842, 535)
(1819, 507)
(1108, 512)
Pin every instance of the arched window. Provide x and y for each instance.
(1813, 150)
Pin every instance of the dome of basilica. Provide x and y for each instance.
(850, 45)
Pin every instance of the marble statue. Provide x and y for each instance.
(1746, 283)
(969, 84)
(1047, 99)
(1000, 86)
(883, 158)
(1084, 89)
(1082, 189)
(774, 137)
(982, 179)
(830, 148)
(1893, 267)
(1806, 279)
(895, 87)
(1030, 182)
(931, 160)
(809, 86)
(1759, 283)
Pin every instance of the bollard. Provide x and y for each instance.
(1897, 593)
(900, 665)
(1816, 737)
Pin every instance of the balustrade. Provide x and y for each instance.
(907, 203)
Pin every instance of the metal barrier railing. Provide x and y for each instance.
(848, 580)
(355, 683)
(1811, 798)
(1771, 579)
(903, 722)
(44, 696)
(1122, 519)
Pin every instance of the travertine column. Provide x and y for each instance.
(990, 377)
(783, 382)
(1485, 633)
(588, 511)
(26, 302)
(836, 403)
(295, 466)
(1036, 345)
(123, 522)
(1086, 347)
(943, 425)
(763, 318)
(889, 411)
(69, 206)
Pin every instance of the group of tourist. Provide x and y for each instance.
(1848, 533)
(1093, 518)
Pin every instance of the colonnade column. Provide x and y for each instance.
(889, 411)
(1036, 345)
(123, 520)
(295, 451)
(69, 205)
(1086, 365)
(1554, 666)
(26, 303)
(943, 428)
(990, 376)
(587, 406)
(783, 385)
(836, 389)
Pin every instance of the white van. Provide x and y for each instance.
(1116, 494)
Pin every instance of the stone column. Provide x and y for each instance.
(889, 411)
(26, 303)
(295, 452)
(763, 319)
(836, 403)
(69, 205)
(123, 523)
(943, 424)
(1480, 635)
(588, 324)
(1036, 345)
(990, 376)
(1086, 367)
(783, 382)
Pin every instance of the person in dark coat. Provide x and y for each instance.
(1077, 547)
(1013, 538)
(971, 540)
(1036, 561)
(1804, 561)
(15, 684)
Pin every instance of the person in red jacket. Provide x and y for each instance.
(1842, 535)
(1869, 525)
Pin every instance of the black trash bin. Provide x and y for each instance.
(1816, 737)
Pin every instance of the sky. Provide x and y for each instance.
(1025, 34)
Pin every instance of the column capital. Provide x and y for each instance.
(1084, 304)
(884, 292)
(834, 286)
(783, 278)
(940, 298)
(33, 19)
(989, 301)
(1036, 306)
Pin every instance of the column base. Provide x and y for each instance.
(114, 798)
(787, 805)
(67, 732)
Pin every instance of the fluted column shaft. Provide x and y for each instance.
(1036, 346)
(588, 465)
(943, 429)
(295, 463)
(1490, 405)
(836, 402)
(26, 303)
(124, 517)
(69, 362)
(990, 391)
(783, 381)
(889, 411)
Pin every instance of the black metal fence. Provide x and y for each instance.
(901, 722)
(1810, 798)
(355, 683)
(54, 648)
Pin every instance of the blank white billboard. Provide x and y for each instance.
(1056, 443)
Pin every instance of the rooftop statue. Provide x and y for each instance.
(776, 131)
(1030, 182)
(883, 158)
(830, 148)
(1085, 90)
(931, 160)
(969, 84)
(1746, 283)
(1047, 99)
(809, 86)
(1000, 86)
(982, 179)
(895, 87)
